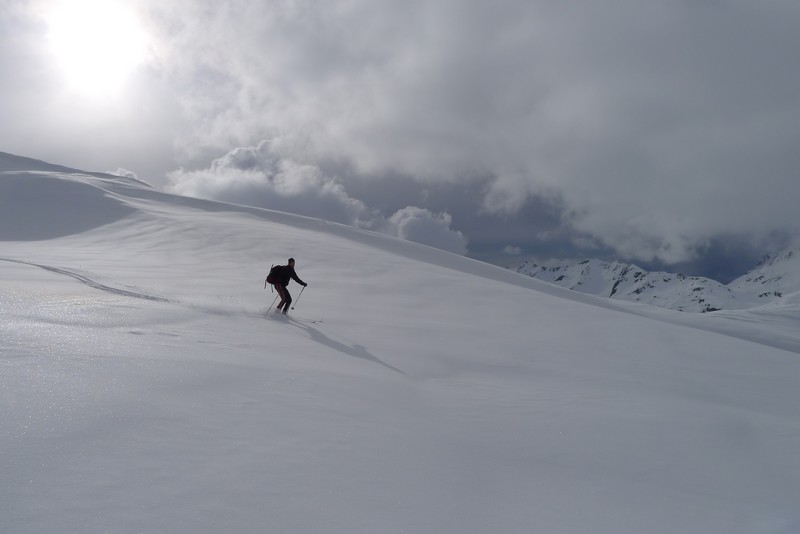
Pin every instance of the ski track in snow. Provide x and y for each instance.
(91, 283)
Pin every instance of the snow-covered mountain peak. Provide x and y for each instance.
(621, 281)
(774, 277)
(771, 280)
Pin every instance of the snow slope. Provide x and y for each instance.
(143, 390)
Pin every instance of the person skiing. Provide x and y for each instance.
(280, 276)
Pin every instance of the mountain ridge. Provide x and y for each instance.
(772, 279)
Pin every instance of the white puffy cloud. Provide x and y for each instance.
(125, 173)
(432, 229)
(263, 176)
(267, 176)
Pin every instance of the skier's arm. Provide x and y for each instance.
(297, 279)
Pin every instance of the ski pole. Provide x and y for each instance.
(298, 296)
(273, 303)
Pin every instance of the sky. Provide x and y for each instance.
(662, 132)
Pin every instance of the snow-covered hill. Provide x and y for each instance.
(143, 389)
(769, 282)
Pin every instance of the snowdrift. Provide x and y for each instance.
(143, 388)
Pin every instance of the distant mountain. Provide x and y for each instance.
(774, 278)
(771, 280)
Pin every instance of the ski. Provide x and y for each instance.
(280, 316)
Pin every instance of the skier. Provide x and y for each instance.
(279, 276)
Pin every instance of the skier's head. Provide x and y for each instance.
(291, 262)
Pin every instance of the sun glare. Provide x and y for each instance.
(97, 44)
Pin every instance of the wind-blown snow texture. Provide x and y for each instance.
(143, 390)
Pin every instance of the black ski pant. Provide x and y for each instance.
(286, 298)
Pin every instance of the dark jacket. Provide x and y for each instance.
(283, 273)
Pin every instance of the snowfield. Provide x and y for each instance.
(142, 388)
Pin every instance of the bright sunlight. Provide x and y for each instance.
(97, 44)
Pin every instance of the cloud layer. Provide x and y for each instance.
(661, 124)
(653, 131)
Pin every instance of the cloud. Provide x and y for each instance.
(267, 176)
(659, 123)
(642, 129)
(433, 229)
(125, 173)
